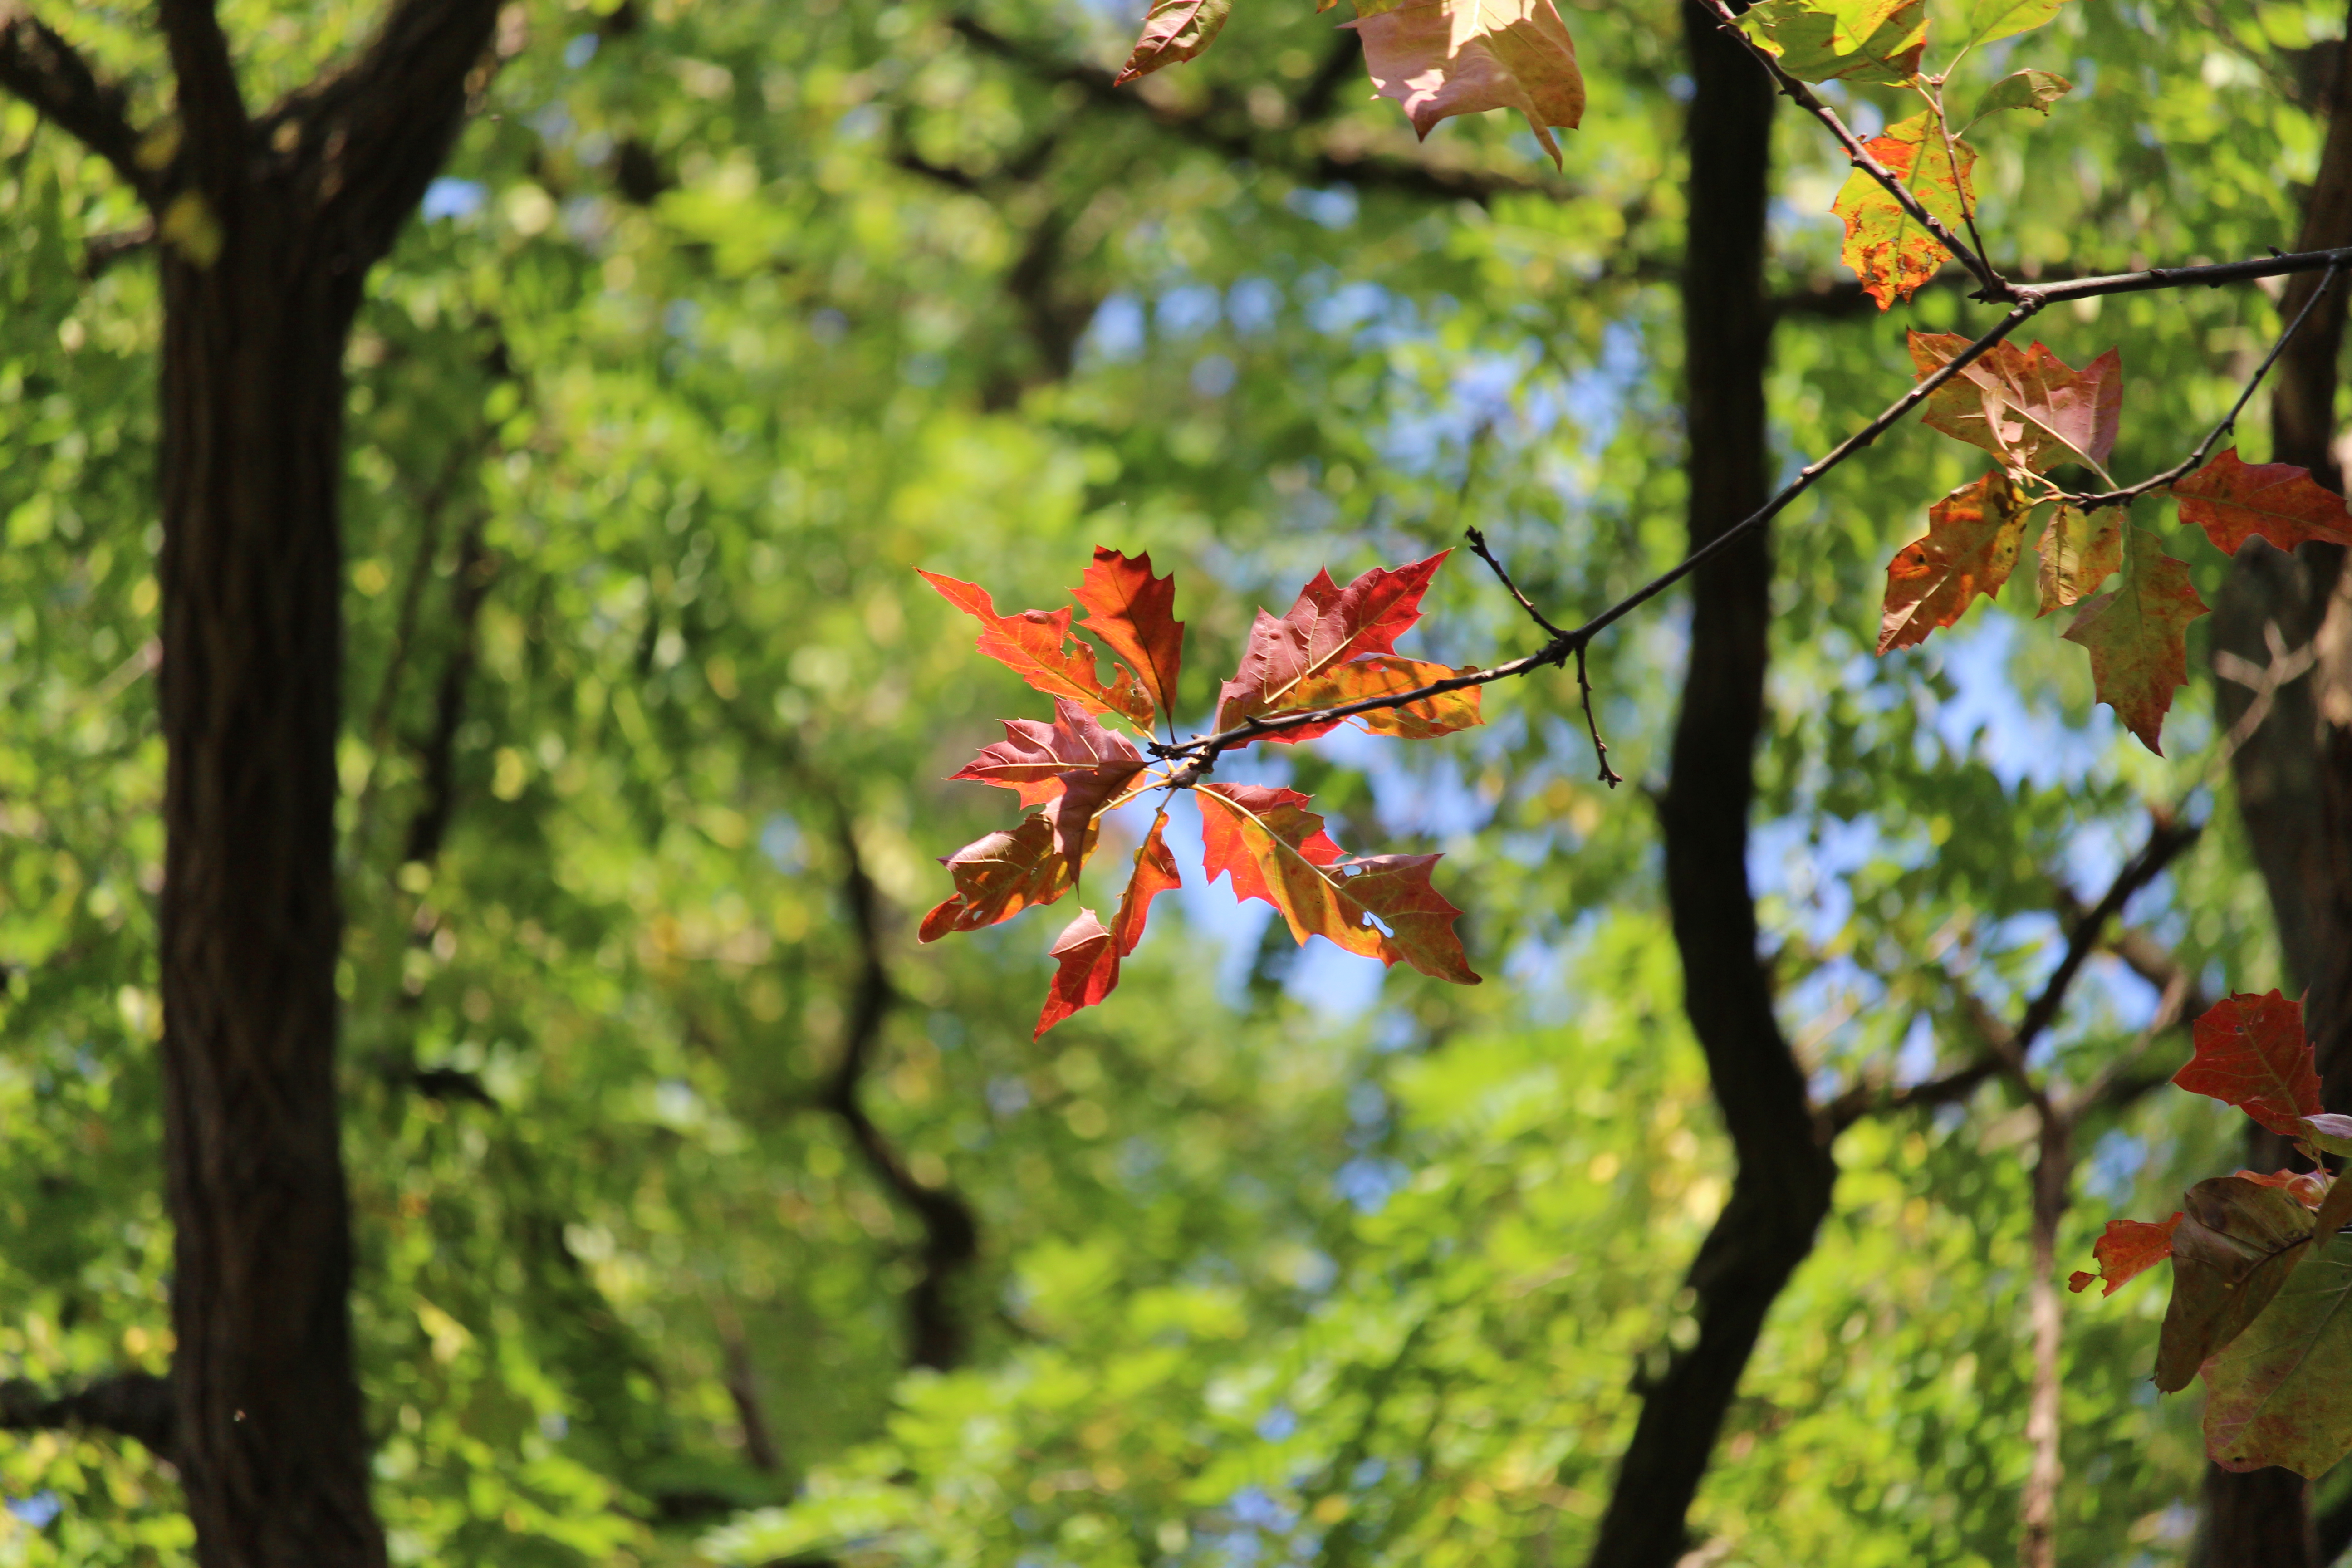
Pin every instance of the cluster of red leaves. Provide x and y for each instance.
(2261, 1271)
(2034, 413)
(1336, 646)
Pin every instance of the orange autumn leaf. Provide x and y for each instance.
(1134, 613)
(1384, 675)
(2129, 1247)
(1971, 544)
(1035, 645)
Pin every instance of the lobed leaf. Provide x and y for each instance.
(2233, 500)
(1073, 767)
(2137, 636)
(1875, 41)
(2079, 551)
(999, 876)
(2125, 1249)
(2280, 1392)
(1173, 30)
(1972, 541)
(1087, 953)
(1134, 613)
(2026, 406)
(2034, 90)
(1328, 625)
(2236, 1246)
(1442, 58)
(2250, 1052)
(1384, 675)
(1381, 906)
(1036, 645)
(1888, 249)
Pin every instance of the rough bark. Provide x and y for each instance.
(2293, 780)
(1785, 1170)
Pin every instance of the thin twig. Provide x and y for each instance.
(1609, 775)
(1478, 548)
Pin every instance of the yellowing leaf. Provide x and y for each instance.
(1973, 538)
(2026, 406)
(1442, 58)
(2079, 551)
(1842, 40)
(1993, 19)
(2139, 638)
(1888, 249)
(1173, 30)
(2234, 501)
(1381, 906)
(1380, 676)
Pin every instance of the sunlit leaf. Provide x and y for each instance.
(2234, 501)
(1971, 544)
(1989, 20)
(1036, 646)
(1328, 626)
(2236, 1246)
(1073, 767)
(1087, 953)
(1134, 613)
(1381, 906)
(2137, 636)
(2034, 90)
(1384, 675)
(1442, 58)
(2125, 1248)
(2280, 1393)
(1173, 30)
(1890, 250)
(1842, 40)
(2250, 1052)
(2026, 406)
(1005, 873)
(2079, 551)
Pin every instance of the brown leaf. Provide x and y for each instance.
(999, 876)
(2236, 1245)
(1073, 767)
(1971, 544)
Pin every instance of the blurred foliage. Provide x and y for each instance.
(727, 317)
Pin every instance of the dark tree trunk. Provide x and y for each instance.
(271, 1448)
(1785, 1172)
(2293, 780)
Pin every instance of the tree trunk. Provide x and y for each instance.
(271, 1448)
(1785, 1170)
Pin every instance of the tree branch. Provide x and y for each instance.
(212, 110)
(131, 1404)
(38, 65)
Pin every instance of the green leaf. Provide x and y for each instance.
(1839, 41)
(1989, 20)
(1891, 252)
(2280, 1392)
(2034, 90)
(2139, 638)
(2235, 1246)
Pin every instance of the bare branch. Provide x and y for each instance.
(132, 1403)
(38, 65)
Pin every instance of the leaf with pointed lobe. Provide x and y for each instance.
(1073, 767)
(1889, 250)
(1087, 953)
(2233, 500)
(2280, 1392)
(1442, 58)
(1971, 544)
(2125, 1248)
(1877, 41)
(2236, 1246)
(1989, 20)
(2034, 90)
(2250, 1052)
(2137, 636)
(1381, 906)
(1173, 30)
(2079, 551)
(1134, 613)
(1328, 625)
(1385, 675)
(2026, 406)
(997, 875)
(1036, 646)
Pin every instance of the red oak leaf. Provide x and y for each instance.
(2129, 1247)
(2139, 638)
(1328, 625)
(1036, 645)
(999, 876)
(1133, 613)
(1073, 767)
(1973, 538)
(2026, 406)
(1381, 906)
(2234, 501)
(1889, 250)
(1088, 955)
(2250, 1052)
